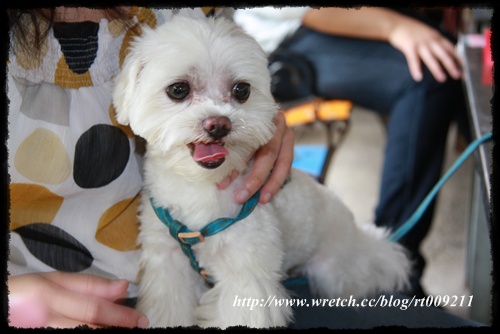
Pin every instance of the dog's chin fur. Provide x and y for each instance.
(306, 228)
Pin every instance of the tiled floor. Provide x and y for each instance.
(354, 174)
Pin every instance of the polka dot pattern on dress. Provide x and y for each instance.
(42, 208)
(75, 180)
(32, 221)
(101, 155)
(55, 247)
(118, 227)
(64, 146)
(45, 102)
(43, 148)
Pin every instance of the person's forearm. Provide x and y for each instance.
(366, 22)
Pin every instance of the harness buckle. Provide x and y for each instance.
(184, 235)
(206, 276)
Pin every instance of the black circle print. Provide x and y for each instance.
(55, 247)
(101, 154)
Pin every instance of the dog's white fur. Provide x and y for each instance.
(305, 228)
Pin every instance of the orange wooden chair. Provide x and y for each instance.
(334, 115)
(293, 81)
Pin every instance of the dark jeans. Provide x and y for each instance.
(374, 75)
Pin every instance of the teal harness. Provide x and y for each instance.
(187, 238)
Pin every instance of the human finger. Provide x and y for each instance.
(94, 311)
(445, 52)
(227, 180)
(432, 63)
(89, 284)
(264, 162)
(414, 64)
(281, 169)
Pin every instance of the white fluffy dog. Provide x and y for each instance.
(199, 92)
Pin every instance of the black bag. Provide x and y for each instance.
(292, 77)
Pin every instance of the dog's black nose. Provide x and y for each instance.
(217, 127)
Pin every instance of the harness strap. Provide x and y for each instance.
(187, 238)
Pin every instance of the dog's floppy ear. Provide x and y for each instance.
(125, 85)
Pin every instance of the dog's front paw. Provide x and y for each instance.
(207, 318)
(221, 307)
(207, 313)
(167, 295)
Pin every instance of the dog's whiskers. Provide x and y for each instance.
(244, 123)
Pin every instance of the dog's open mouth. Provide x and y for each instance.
(208, 155)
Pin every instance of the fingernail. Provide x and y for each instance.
(265, 198)
(119, 284)
(224, 183)
(143, 322)
(241, 196)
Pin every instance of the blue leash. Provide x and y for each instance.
(410, 223)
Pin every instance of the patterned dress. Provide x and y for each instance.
(75, 175)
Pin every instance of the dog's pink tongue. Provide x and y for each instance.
(208, 152)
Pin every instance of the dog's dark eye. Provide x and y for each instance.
(241, 91)
(178, 91)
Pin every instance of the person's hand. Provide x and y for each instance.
(58, 299)
(272, 163)
(420, 42)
